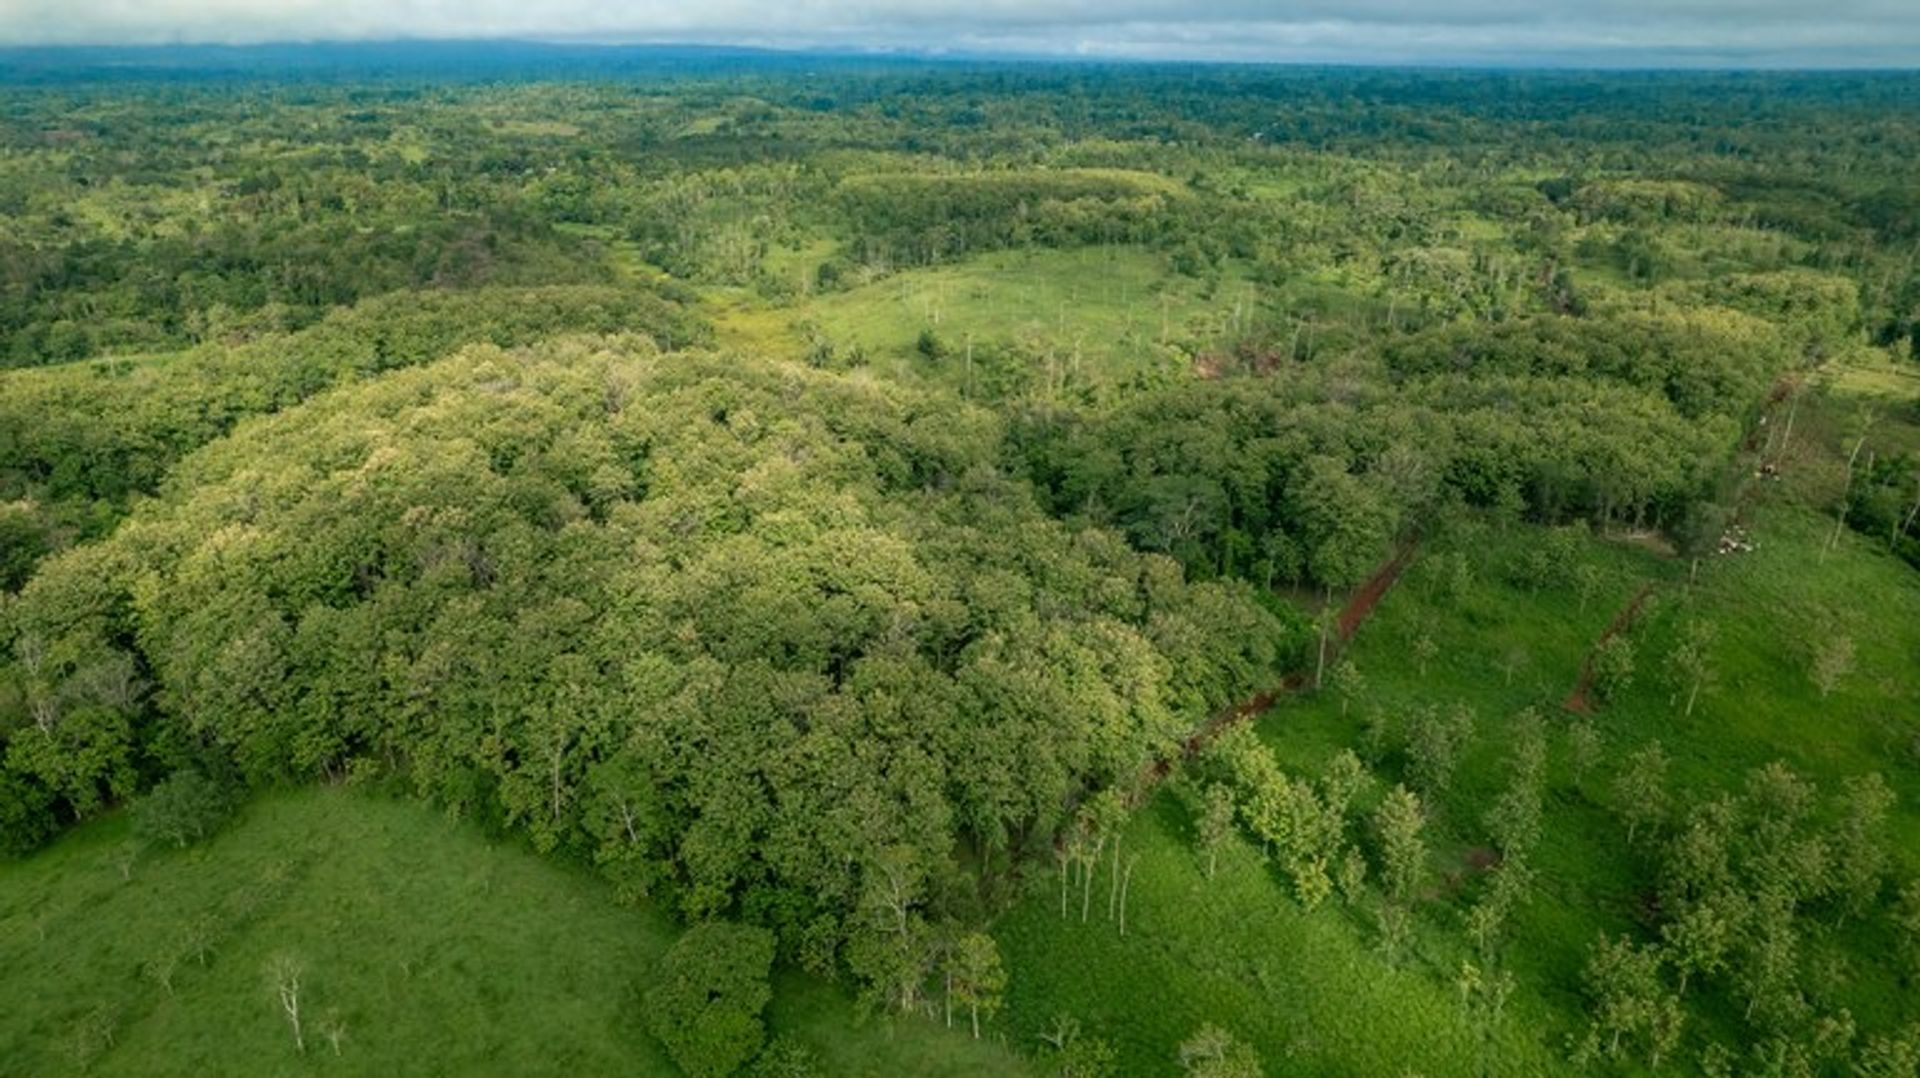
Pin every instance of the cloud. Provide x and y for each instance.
(1725, 32)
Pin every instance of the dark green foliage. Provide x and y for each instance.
(103, 432)
(717, 623)
(184, 808)
(26, 813)
(706, 998)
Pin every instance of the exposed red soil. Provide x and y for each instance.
(1579, 701)
(1353, 615)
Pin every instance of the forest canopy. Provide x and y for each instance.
(740, 631)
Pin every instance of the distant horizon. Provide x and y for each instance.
(1547, 34)
(321, 47)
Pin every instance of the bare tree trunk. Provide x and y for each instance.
(1126, 882)
(1086, 881)
(287, 981)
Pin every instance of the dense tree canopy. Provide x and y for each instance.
(734, 628)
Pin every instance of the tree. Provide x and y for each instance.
(1216, 822)
(1424, 652)
(1905, 919)
(1698, 940)
(1640, 792)
(979, 981)
(1613, 663)
(1588, 579)
(1072, 1053)
(1859, 851)
(1627, 1000)
(1690, 664)
(1433, 747)
(1832, 662)
(1212, 1052)
(707, 996)
(283, 974)
(184, 808)
(1348, 683)
(1403, 852)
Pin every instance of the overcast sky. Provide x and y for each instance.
(1545, 32)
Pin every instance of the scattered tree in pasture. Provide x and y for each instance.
(1348, 683)
(1073, 1053)
(1343, 780)
(708, 994)
(122, 857)
(1783, 853)
(1212, 1052)
(1351, 876)
(1698, 941)
(1397, 826)
(1859, 844)
(1640, 792)
(1904, 917)
(1895, 1055)
(1511, 662)
(1583, 750)
(1326, 625)
(1628, 1003)
(1698, 863)
(1434, 742)
(1215, 824)
(1690, 668)
(1425, 650)
(1395, 922)
(1377, 736)
(284, 974)
(1832, 661)
(333, 1026)
(978, 980)
(182, 809)
(1484, 993)
(1768, 969)
(786, 1057)
(1613, 664)
(1588, 580)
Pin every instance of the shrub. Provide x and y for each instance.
(706, 1005)
(185, 808)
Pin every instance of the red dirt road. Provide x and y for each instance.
(1353, 615)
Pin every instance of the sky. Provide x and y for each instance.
(1633, 33)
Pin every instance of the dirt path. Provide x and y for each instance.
(1579, 701)
(1359, 607)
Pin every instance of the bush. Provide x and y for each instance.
(183, 809)
(26, 814)
(706, 1006)
(1613, 667)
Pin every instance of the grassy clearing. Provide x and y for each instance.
(1106, 313)
(438, 950)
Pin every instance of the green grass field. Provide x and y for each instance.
(1100, 314)
(435, 949)
(1310, 991)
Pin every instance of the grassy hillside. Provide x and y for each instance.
(433, 949)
